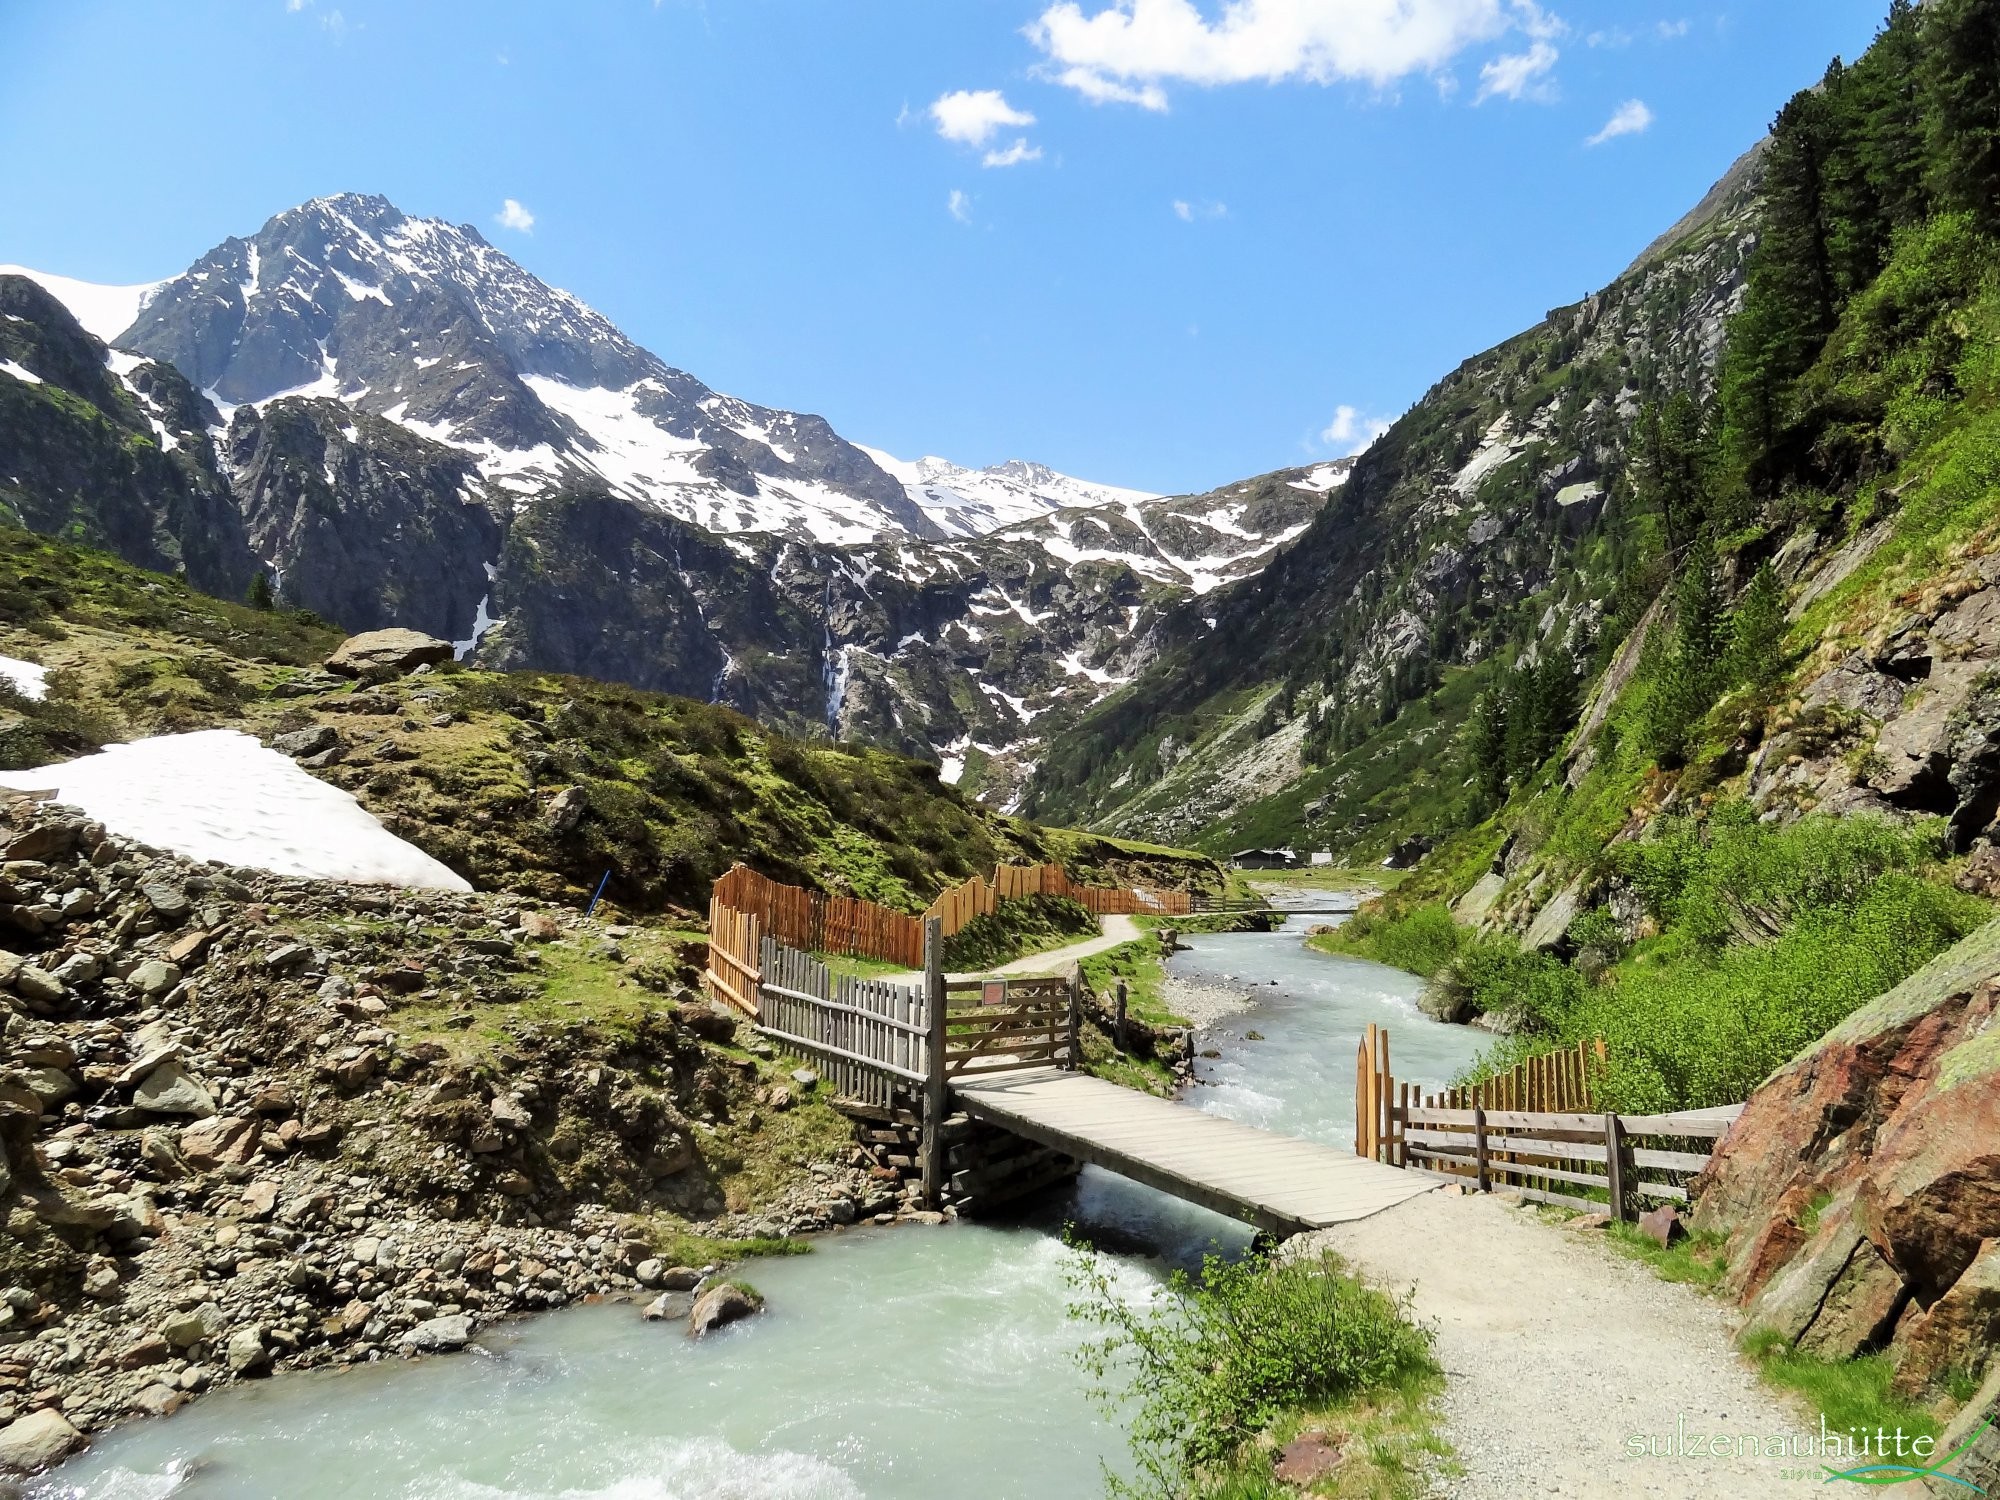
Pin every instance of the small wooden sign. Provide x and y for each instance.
(993, 992)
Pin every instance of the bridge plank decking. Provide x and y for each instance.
(1274, 1181)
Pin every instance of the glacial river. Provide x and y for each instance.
(900, 1362)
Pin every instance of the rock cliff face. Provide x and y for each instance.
(1861, 1187)
(114, 452)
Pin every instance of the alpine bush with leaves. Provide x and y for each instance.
(1214, 1359)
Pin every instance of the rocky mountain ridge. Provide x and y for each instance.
(395, 424)
(1295, 706)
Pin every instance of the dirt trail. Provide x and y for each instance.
(1557, 1350)
(1116, 930)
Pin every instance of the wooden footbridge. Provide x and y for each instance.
(983, 1075)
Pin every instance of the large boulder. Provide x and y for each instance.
(387, 653)
(31, 1443)
(170, 1089)
(1861, 1186)
(721, 1304)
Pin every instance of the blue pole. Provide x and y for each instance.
(594, 899)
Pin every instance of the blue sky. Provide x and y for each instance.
(1222, 224)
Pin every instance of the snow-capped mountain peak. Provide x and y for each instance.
(973, 502)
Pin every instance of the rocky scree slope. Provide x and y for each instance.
(1307, 704)
(417, 432)
(249, 1123)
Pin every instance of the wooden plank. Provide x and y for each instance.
(1705, 1122)
(827, 1047)
(819, 1003)
(1672, 1161)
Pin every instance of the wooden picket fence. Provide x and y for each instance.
(894, 1047)
(1014, 882)
(818, 923)
(867, 1037)
(848, 925)
(1533, 1130)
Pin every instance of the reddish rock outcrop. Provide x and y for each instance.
(1861, 1187)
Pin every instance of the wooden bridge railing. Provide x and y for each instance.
(1533, 1130)
(893, 1045)
(995, 1026)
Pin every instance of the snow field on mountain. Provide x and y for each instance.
(104, 311)
(218, 794)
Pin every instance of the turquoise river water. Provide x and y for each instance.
(892, 1363)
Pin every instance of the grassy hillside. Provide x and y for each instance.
(475, 766)
(1781, 799)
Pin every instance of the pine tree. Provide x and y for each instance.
(1961, 43)
(1676, 467)
(1791, 300)
(1488, 745)
(258, 595)
(1757, 631)
(1699, 626)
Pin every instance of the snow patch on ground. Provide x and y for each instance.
(19, 372)
(218, 794)
(29, 680)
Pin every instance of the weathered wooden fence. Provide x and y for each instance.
(819, 923)
(1533, 1130)
(890, 1046)
(866, 1036)
(848, 925)
(994, 1026)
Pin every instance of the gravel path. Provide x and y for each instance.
(1116, 930)
(1556, 1350)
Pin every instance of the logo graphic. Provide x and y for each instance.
(1887, 1473)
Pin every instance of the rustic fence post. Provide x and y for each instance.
(1075, 1017)
(1614, 1165)
(937, 1092)
(1385, 1099)
(1361, 1097)
(1479, 1149)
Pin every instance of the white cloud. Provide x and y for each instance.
(1129, 49)
(972, 117)
(1671, 30)
(1101, 90)
(1013, 156)
(1188, 212)
(1519, 75)
(960, 206)
(1630, 118)
(513, 215)
(1350, 431)
(293, 7)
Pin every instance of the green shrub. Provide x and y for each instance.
(1421, 940)
(1214, 1360)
